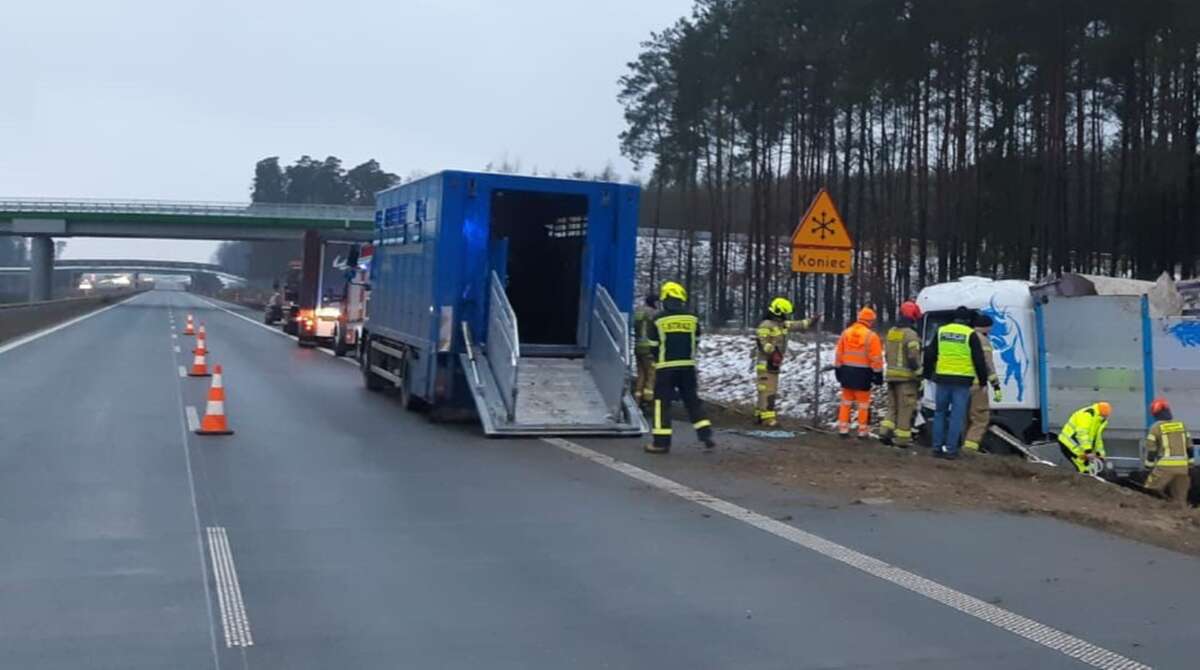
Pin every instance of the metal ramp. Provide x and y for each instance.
(527, 395)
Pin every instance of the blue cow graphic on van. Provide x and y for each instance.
(1187, 332)
(1008, 339)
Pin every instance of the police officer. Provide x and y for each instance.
(676, 332)
(643, 324)
(1166, 453)
(902, 352)
(1082, 438)
(979, 413)
(954, 360)
(770, 348)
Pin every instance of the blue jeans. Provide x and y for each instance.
(952, 399)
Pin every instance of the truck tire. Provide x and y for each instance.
(371, 380)
(339, 343)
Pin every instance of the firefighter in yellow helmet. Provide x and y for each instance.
(676, 334)
(1082, 438)
(1166, 455)
(771, 339)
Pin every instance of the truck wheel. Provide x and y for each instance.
(339, 343)
(371, 380)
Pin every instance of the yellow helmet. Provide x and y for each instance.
(781, 307)
(672, 289)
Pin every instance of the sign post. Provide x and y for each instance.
(821, 245)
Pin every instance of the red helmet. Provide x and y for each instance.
(910, 310)
(1159, 406)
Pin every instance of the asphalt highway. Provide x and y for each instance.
(334, 529)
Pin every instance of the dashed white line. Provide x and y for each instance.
(229, 591)
(1029, 629)
(182, 371)
(177, 349)
(174, 336)
(193, 419)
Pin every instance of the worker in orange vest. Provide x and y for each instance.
(858, 364)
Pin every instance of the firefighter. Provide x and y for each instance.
(979, 413)
(902, 352)
(1082, 438)
(858, 365)
(954, 360)
(1166, 454)
(771, 346)
(674, 339)
(643, 323)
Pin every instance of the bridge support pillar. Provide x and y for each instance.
(41, 267)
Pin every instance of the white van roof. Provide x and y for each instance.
(976, 293)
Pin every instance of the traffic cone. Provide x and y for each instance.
(199, 365)
(202, 333)
(188, 329)
(214, 422)
(201, 344)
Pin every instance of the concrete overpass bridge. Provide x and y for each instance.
(76, 266)
(42, 219)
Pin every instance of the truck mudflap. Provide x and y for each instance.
(517, 395)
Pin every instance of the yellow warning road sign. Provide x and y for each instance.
(821, 242)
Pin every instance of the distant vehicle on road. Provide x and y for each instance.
(507, 293)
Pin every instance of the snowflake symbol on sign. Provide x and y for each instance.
(824, 225)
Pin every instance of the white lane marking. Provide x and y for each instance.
(46, 331)
(177, 350)
(229, 591)
(184, 433)
(999, 617)
(193, 419)
(182, 371)
(277, 331)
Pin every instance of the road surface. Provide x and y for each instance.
(336, 530)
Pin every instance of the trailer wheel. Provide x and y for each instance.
(371, 380)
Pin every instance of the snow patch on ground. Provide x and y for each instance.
(726, 372)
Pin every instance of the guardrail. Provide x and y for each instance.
(503, 345)
(608, 350)
(172, 207)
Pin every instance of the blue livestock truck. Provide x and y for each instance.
(508, 294)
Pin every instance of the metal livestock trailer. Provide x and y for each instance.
(510, 294)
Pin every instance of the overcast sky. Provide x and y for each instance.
(177, 99)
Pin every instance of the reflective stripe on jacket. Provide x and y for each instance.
(902, 354)
(859, 347)
(1084, 431)
(676, 333)
(1167, 445)
(643, 323)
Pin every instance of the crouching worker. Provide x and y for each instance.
(1166, 454)
(1082, 439)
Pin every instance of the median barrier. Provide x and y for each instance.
(22, 318)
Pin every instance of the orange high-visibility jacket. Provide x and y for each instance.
(859, 357)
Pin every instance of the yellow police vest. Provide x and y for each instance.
(954, 351)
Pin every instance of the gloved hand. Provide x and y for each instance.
(997, 394)
(776, 359)
(877, 378)
(837, 374)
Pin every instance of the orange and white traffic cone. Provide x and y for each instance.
(199, 365)
(201, 332)
(214, 421)
(201, 344)
(188, 328)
